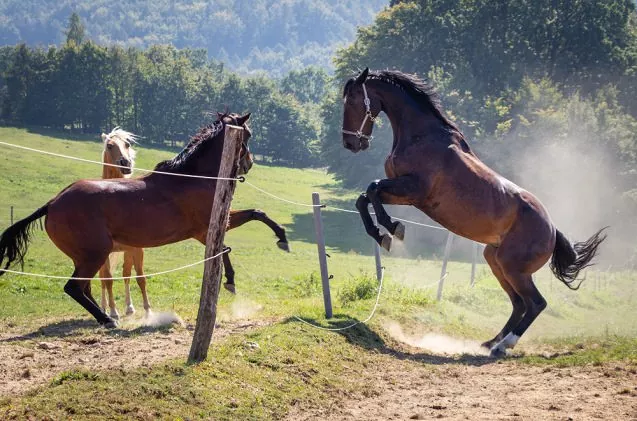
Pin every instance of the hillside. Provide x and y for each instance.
(248, 35)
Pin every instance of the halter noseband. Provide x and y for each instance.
(368, 115)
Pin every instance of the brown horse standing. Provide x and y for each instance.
(432, 167)
(92, 218)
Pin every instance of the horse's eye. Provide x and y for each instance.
(109, 146)
(127, 145)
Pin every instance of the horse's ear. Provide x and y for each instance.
(220, 115)
(104, 137)
(363, 76)
(242, 120)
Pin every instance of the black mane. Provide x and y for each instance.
(423, 93)
(183, 163)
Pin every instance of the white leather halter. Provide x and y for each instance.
(368, 115)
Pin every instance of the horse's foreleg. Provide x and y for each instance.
(107, 285)
(392, 191)
(229, 272)
(362, 204)
(240, 217)
(127, 269)
(138, 261)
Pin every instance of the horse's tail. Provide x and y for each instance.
(569, 259)
(15, 239)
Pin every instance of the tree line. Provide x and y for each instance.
(161, 93)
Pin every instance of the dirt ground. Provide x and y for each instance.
(502, 390)
(400, 389)
(28, 360)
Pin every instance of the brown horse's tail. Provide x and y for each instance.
(569, 259)
(15, 239)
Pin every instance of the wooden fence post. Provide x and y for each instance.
(11, 216)
(320, 244)
(224, 190)
(443, 272)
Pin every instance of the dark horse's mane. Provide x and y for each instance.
(184, 162)
(423, 93)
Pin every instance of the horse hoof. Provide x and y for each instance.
(385, 242)
(130, 310)
(229, 287)
(498, 352)
(399, 231)
(114, 315)
(111, 324)
(283, 246)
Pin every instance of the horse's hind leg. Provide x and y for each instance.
(534, 303)
(392, 191)
(517, 302)
(76, 289)
(127, 268)
(138, 261)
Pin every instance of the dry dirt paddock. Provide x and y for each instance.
(400, 389)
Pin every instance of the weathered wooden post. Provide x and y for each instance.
(320, 244)
(474, 262)
(224, 190)
(443, 272)
(11, 216)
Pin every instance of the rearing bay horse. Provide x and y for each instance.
(92, 218)
(432, 168)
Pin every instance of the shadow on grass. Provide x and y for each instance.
(73, 327)
(364, 337)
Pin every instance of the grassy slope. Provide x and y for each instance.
(272, 283)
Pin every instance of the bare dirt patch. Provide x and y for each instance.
(32, 359)
(501, 390)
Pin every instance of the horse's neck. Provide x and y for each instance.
(108, 171)
(410, 121)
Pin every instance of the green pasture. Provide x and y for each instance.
(294, 362)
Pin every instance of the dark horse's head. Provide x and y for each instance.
(194, 158)
(246, 160)
(359, 113)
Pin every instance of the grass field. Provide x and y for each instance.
(294, 363)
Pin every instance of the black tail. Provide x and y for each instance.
(15, 239)
(569, 259)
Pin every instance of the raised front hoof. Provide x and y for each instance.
(283, 245)
(110, 324)
(229, 287)
(130, 310)
(399, 231)
(385, 242)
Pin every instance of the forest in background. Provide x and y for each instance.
(247, 35)
(544, 91)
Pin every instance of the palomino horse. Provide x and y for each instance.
(92, 218)
(118, 150)
(432, 168)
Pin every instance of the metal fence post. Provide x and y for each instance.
(444, 265)
(320, 244)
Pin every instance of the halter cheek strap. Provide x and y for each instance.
(368, 116)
